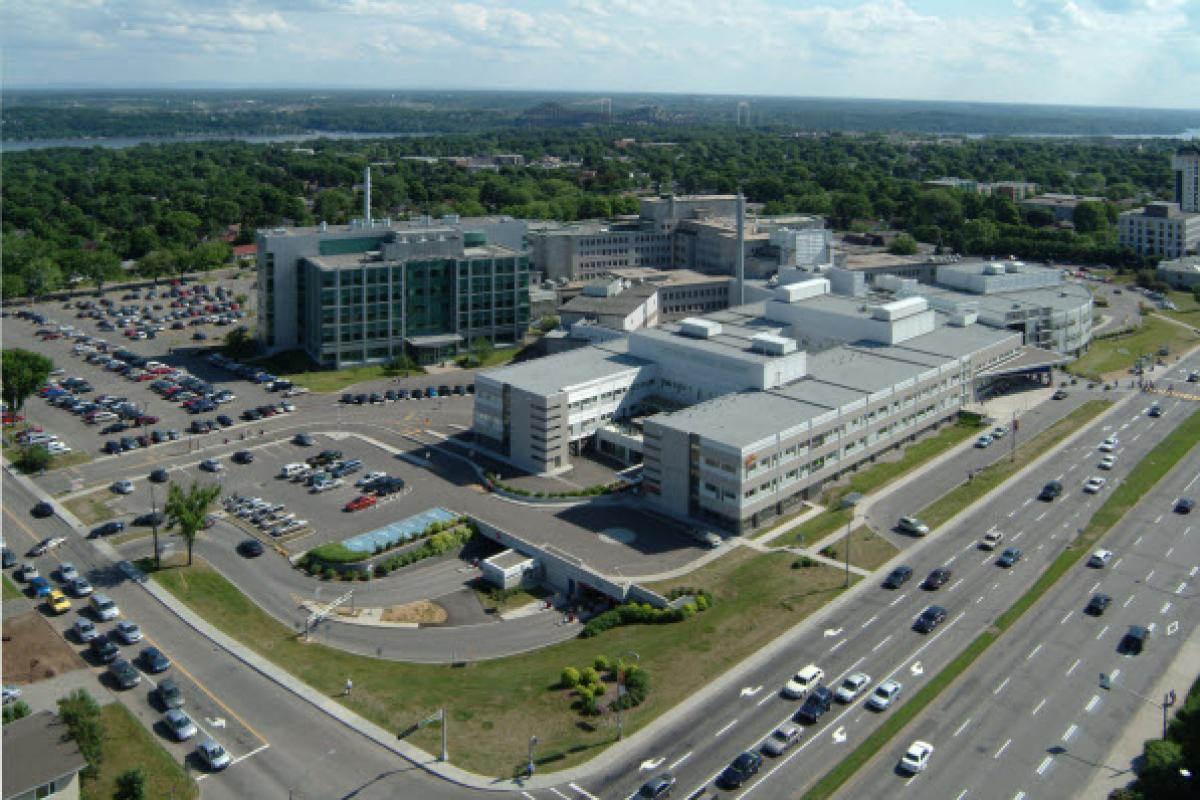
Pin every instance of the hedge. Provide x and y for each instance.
(338, 553)
(636, 614)
(590, 491)
(437, 544)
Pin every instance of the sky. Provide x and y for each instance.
(1079, 52)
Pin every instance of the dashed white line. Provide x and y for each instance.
(956, 584)
(950, 560)
(583, 791)
(1033, 652)
(872, 619)
(1158, 519)
(979, 600)
(1040, 517)
(1166, 607)
(1028, 500)
(1169, 551)
(1003, 747)
(1095, 586)
(1179, 589)
(1092, 703)
(1045, 765)
(766, 699)
(680, 760)
(1115, 673)
(1117, 563)
(1128, 600)
(1073, 666)
(1018, 535)
(1066, 617)
(962, 727)
(882, 643)
(560, 794)
(1003, 685)
(1137, 541)
(726, 728)
(1072, 468)
(986, 559)
(1066, 737)
(1099, 635)
(527, 794)
(1192, 572)
(961, 795)
(1151, 575)
(1038, 707)
(835, 648)
(1019, 796)
(897, 600)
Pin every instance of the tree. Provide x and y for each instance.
(187, 511)
(238, 343)
(81, 713)
(481, 348)
(848, 207)
(22, 372)
(34, 458)
(16, 711)
(157, 263)
(903, 245)
(131, 785)
(1090, 217)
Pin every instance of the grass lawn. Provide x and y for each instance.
(990, 477)
(1119, 353)
(495, 706)
(1189, 308)
(511, 600)
(91, 508)
(11, 592)
(870, 479)
(13, 453)
(495, 358)
(867, 549)
(127, 745)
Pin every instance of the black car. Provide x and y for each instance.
(360, 399)
(107, 529)
(124, 673)
(302, 440)
(159, 476)
(1156, 410)
(347, 398)
(1050, 491)
(743, 768)
(42, 510)
(112, 447)
(251, 415)
(151, 519)
(1134, 641)
(8, 558)
(404, 394)
(104, 649)
(391, 396)
(250, 548)
(657, 788)
(938, 578)
(1098, 604)
(1184, 505)
(815, 705)
(376, 398)
(897, 577)
(129, 443)
(443, 390)
(116, 427)
(460, 389)
(243, 457)
(930, 618)
(154, 661)
(224, 420)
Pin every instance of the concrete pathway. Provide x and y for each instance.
(44, 695)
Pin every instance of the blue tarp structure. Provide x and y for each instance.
(398, 532)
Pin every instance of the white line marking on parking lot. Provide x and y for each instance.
(1003, 747)
(1028, 500)
(1000, 688)
(1092, 703)
(962, 727)
(1192, 572)
(897, 600)
(1045, 765)
(1166, 607)
(979, 600)
(956, 583)
(1169, 551)
(1158, 519)
(1117, 563)
(255, 751)
(1072, 468)
(1103, 631)
(1019, 796)
(961, 795)
(725, 729)
(1073, 666)
(872, 619)
(986, 559)
(1066, 737)
(583, 792)
(1137, 541)
(1038, 707)
(1151, 575)
(560, 794)
(1018, 535)
(1033, 652)
(1040, 517)
(527, 794)
(1128, 600)
(1012, 513)
(834, 649)
(1179, 589)
(1115, 673)
(1095, 586)
(680, 760)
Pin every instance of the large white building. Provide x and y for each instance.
(1170, 230)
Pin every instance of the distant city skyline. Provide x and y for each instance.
(1133, 53)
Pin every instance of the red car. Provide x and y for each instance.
(360, 502)
(146, 419)
(12, 419)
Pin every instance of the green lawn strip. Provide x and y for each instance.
(1188, 308)
(1149, 471)
(496, 358)
(1118, 354)
(495, 706)
(871, 479)
(501, 602)
(993, 475)
(127, 744)
(11, 592)
(91, 509)
(868, 549)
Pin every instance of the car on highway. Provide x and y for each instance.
(169, 694)
(124, 673)
(154, 660)
(937, 579)
(79, 587)
(898, 577)
(657, 788)
(103, 649)
(39, 587)
(85, 630)
(104, 607)
(46, 545)
(1061, 394)
(819, 701)
(123, 487)
(1050, 491)
(881, 699)
(1100, 559)
(159, 476)
(1155, 411)
(1134, 641)
(212, 755)
(803, 681)
(913, 525)
(1094, 485)
(851, 687)
(1109, 444)
(743, 768)
(107, 529)
(1184, 505)
(128, 632)
(983, 441)
(991, 540)
(1108, 462)
(250, 548)
(180, 725)
(781, 739)
(929, 619)
(1098, 604)
(42, 510)
(1010, 556)
(58, 602)
(917, 758)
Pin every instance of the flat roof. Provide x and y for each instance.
(382, 226)
(741, 418)
(623, 303)
(36, 752)
(557, 373)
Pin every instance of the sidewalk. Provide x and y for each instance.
(1116, 769)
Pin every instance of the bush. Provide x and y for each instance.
(589, 676)
(329, 574)
(381, 570)
(701, 603)
(569, 677)
(16, 711)
(336, 553)
(602, 664)
(634, 614)
(804, 562)
(34, 459)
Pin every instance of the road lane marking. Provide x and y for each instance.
(1033, 652)
(1003, 747)
(1066, 737)
(255, 751)
(725, 729)
(1018, 535)
(962, 727)
(1099, 635)
(1066, 617)
(1137, 541)
(583, 791)
(1179, 589)
(1040, 517)
(898, 599)
(1038, 707)
(1128, 600)
(766, 699)
(527, 794)
(680, 760)
(1073, 666)
(1166, 607)
(961, 795)
(881, 644)
(1115, 674)
(986, 559)
(1092, 703)
(1118, 562)
(1151, 575)
(950, 560)
(872, 619)
(834, 649)
(1192, 572)
(956, 583)
(1169, 551)
(1045, 765)
(1095, 586)
(1158, 519)
(560, 794)
(979, 600)
(1001, 687)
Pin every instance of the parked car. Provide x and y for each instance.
(210, 465)
(781, 740)
(107, 529)
(250, 548)
(913, 525)
(85, 630)
(302, 440)
(123, 487)
(851, 687)
(243, 457)
(180, 725)
(169, 694)
(125, 674)
(103, 649)
(154, 660)
(212, 755)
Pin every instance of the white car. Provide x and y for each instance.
(104, 607)
(123, 487)
(180, 725)
(128, 632)
(11, 693)
(998, 432)
(781, 740)
(80, 587)
(1100, 558)
(1108, 462)
(913, 525)
(883, 695)
(57, 448)
(369, 477)
(852, 687)
(1108, 445)
(67, 572)
(990, 540)
(212, 754)
(211, 465)
(808, 678)
(84, 629)
(1094, 485)
(917, 758)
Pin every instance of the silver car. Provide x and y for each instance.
(883, 695)
(180, 725)
(852, 687)
(85, 631)
(213, 755)
(781, 739)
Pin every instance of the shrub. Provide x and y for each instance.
(804, 562)
(16, 711)
(381, 570)
(701, 603)
(589, 676)
(602, 664)
(569, 677)
(829, 552)
(336, 553)
(330, 573)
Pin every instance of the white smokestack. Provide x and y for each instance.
(367, 196)
(741, 248)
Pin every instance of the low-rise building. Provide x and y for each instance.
(1160, 229)
(1062, 206)
(41, 760)
(1182, 273)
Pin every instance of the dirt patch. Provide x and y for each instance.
(92, 508)
(422, 611)
(33, 651)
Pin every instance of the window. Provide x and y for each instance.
(45, 791)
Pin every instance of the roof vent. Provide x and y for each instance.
(699, 328)
(772, 345)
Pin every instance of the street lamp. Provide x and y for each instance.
(533, 740)
(621, 694)
(1168, 700)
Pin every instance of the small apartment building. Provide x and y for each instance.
(1160, 229)
(41, 762)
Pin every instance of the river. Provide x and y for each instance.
(123, 142)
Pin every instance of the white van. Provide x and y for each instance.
(291, 470)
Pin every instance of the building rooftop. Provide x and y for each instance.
(382, 226)
(1185, 264)
(36, 752)
(558, 373)
(880, 260)
(623, 303)
(742, 418)
(1053, 199)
